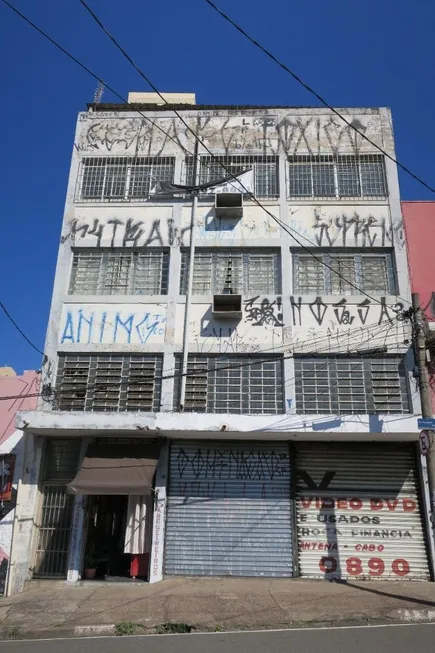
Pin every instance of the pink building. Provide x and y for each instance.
(23, 391)
(419, 222)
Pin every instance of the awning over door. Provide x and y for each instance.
(116, 469)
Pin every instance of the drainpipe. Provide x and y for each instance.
(186, 333)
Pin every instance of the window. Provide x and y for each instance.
(221, 167)
(122, 178)
(245, 271)
(369, 272)
(345, 385)
(336, 177)
(231, 384)
(112, 272)
(109, 383)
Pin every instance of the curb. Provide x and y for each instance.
(414, 615)
(395, 617)
(95, 631)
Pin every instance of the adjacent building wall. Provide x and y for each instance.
(419, 223)
(11, 442)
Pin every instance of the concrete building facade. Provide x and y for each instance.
(273, 377)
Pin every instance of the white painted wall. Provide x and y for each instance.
(112, 324)
(286, 323)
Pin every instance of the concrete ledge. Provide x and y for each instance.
(222, 426)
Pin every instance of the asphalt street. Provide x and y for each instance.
(389, 639)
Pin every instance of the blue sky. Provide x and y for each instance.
(380, 52)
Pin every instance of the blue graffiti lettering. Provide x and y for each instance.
(147, 327)
(89, 321)
(68, 332)
(102, 325)
(126, 324)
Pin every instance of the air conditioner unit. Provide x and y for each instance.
(227, 306)
(229, 205)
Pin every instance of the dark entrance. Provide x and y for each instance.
(107, 518)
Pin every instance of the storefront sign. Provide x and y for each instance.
(358, 513)
(357, 536)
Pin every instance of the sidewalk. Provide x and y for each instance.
(51, 608)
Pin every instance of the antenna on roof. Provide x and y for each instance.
(99, 92)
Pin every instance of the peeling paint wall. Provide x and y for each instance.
(286, 322)
(290, 131)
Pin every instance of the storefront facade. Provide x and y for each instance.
(352, 510)
(244, 507)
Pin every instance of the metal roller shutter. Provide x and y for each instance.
(358, 512)
(229, 510)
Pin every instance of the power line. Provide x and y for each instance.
(9, 316)
(313, 92)
(254, 359)
(29, 396)
(251, 195)
(112, 90)
(175, 141)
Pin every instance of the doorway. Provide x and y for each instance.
(106, 524)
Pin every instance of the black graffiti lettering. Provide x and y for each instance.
(363, 310)
(132, 233)
(232, 464)
(265, 313)
(296, 310)
(154, 234)
(386, 311)
(85, 229)
(312, 485)
(342, 312)
(116, 223)
(318, 309)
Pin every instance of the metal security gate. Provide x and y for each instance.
(53, 532)
(229, 510)
(61, 457)
(358, 512)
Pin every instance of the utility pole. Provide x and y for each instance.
(419, 337)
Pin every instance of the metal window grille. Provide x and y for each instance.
(121, 179)
(337, 176)
(348, 385)
(370, 272)
(122, 272)
(252, 271)
(231, 384)
(61, 460)
(109, 383)
(220, 167)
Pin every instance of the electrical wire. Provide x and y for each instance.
(112, 90)
(316, 95)
(178, 144)
(11, 319)
(230, 173)
(258, 357)
(254, 360)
